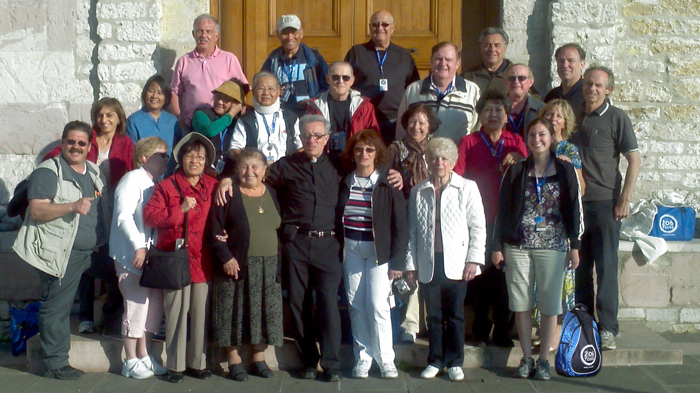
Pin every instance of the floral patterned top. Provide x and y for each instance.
(552, 235)
(568, 149)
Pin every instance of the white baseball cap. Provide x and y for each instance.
(288, 21)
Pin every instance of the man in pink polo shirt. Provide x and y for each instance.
(199, 72)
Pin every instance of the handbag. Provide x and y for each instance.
(674, 223)
(168, 269)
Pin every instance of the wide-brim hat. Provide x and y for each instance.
(288, 21)
(233, 90)
(208, 146)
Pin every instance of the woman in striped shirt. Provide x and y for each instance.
(373, 217)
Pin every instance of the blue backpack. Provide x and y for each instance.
(579, 354)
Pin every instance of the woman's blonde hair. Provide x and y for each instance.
(569, 118)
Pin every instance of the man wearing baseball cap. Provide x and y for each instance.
(300, 70)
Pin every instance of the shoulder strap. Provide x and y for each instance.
(182, 198)
(289, 119)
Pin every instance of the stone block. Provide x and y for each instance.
(684, 270)
(662, 315)
(671, 177)
(656, 93)
(642, 112)
(647, 67)
(82, 12)
(126, 10)
(632, 48)
(59, 21)
(83, 48)
(176, 26)
(682, 113)
(648, 176)
(590, 36)
(684, 8)
(678, 162)
(685, 295)
(640, 8)
(674, 46)
(666, 147)
(629, 91)
(687, 88)
(104, 30)
(679, 131)
(27, 129)
(679, 66)
(601, 54)
(156, 11)
(138, 71)
(690, 315)
(644, 290)
(631, 313)
(648, 26)
(516, 14)
(137, 31)
(119, 52)
(15, 168)
(126, 93)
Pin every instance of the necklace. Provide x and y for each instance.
(260, 209)
(367, 185)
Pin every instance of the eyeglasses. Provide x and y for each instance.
(162, 155)
(307, 137)
(346, 78)
(382, 24)
(368, 149)
(263, 89)
(71, 142)
(521, 78)
(191, 157)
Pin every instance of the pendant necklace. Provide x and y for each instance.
(260, 209)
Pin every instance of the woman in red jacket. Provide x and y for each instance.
(166, 211)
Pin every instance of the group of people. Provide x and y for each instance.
(447, 190)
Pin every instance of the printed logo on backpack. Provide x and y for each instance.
(579, 353)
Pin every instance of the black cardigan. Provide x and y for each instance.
(512, 198)
(232, 218)
(389, 222)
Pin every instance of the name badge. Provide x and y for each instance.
(540, 223)
(384, 84)
(220, 166)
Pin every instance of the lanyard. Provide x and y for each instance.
(289, 71)
(381, 61)
(267, 128)
(222, 137)
(493, 151)
(516, 129)
(539, 185)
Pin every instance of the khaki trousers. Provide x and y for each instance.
(192, 299)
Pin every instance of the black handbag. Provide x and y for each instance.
(168, 269)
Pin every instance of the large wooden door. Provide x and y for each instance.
(333, 26)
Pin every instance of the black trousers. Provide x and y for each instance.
(314, 268)
(102, 267)
(599, 245)
(486, 290)
(444, 303)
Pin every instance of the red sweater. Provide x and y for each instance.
(362, 119)
(164, 212)
(120, 156)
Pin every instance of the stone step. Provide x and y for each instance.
(636, 345)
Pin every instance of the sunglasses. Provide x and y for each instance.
(382, 24)
(346, 78)
(368, 149)
(162, 155)
(71, 142)
(521, 78)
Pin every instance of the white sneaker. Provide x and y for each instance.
(455, 373)
(86, 327)
(154, 366)
(430, 372)
(361, 369)
(408, 337)
(388, 370)
(137, 370)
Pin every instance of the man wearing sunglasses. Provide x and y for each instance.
(65, 194)
(301, 71)
(348, 112)
(382, 71)
(524, 107)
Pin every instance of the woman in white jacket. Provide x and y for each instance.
(447, 240)
(128, 242)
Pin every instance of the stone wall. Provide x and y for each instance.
(58, 56)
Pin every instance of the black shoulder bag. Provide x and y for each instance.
(168, 269)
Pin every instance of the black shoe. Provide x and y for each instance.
(237, 372)
(66, 373)
(262, 370)
(309, 373)
(542, 371)
(175, 377)
(332, 376)
(199, 374)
